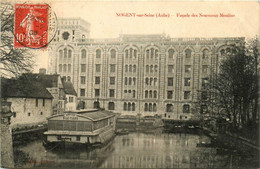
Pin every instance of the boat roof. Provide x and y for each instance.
(92, 114)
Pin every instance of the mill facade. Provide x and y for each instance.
(136, 74)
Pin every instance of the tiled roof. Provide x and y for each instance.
(68, 88)
(97, 115)
(23, 89)
(47, 81)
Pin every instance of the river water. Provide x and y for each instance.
(136, 150)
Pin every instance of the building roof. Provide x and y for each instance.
(68, 88)
(48, 81)
(23, 89)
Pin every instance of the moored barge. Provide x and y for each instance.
(88, 127)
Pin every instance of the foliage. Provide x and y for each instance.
(13, 61)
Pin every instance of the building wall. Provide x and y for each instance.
(71, 103)
(27, 113)
(166, 58)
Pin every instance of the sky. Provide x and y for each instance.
(102, 15)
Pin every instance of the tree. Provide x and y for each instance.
(233, 89)
(13, 61)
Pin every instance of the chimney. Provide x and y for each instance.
(42, 71)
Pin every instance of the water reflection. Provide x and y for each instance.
(138, 150)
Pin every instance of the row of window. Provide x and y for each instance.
(151, 107)
(28, 114)
(131, 53)
(130, 81)
(68, 78)
(129, 106)
(185, 108)
(151, 68)
(151, 81)
(129, 93)
(150, 94)
(64, 68)
(65, 53)
(130, 68)
(152, 54)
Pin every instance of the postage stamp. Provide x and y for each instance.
(31, 25)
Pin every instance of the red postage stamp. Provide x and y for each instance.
(31, 25)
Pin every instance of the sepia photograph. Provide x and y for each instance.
(129, 84)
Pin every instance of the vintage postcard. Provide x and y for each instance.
(130, 84)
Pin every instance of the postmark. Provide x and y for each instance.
(35, 25)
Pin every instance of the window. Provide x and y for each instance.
(145, 107)
(169, 108)
(134, 68)
(77, 138)
(129, 107)
(60, 67)
(113, 53)
(150, 107)
(125, 80)
(186, 81)
(43, 102)
(187, 68)
(125, 106)
(96, 92)
(155, 94)
(83, 67)
(186, 94)
(130, 68)
(150, 94)
(156, 53)
(64, 78)
(146, 94)
(188, 53)
(14, 115)
(64, 68)
(98, 53)
(111, 106)
(112, 68)
(133, 107)
(71, 99)
(97, 80)
(83, 54)
(126, 53)
(204, 95)
(82, 92)
(134, 81)
(29, 114)
(154, 107)
(69, 78)
(112, 80)
(169, 94)
(204, 82)
(130, 81)
(111, 93)
(82, 80)
(147, 81)
(60, 54)
(36, 102)
(41, 113)
(152, 53)
(186, 108)
(151, 81)
(131, 53)
(155, 81)
(151, 68)
(98, 67)
(170, 69)
(65, 53)
(69, 67)
(133, 93)
(69, 54)
(205, 54)
(147, 54)
(170, 81)
(155, 68)
(135, 54)
(204, 68)
(222, 52)
(170, 53)
(147, 68)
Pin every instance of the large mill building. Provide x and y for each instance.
(132, 74)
